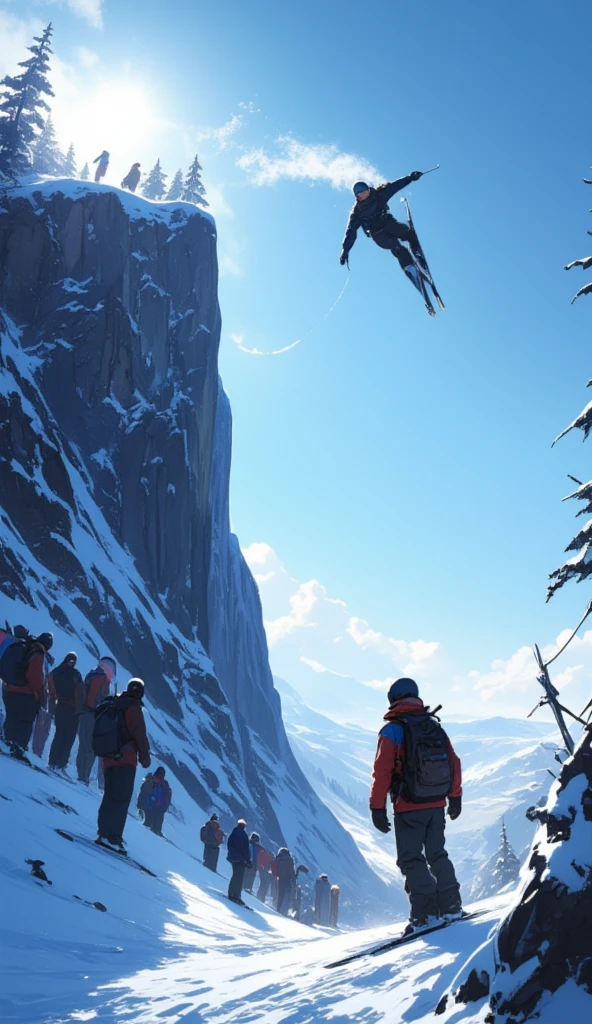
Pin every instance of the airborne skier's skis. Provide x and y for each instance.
(421, 263)
(402, 940)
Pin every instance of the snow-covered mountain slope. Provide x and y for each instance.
(115, 441)
(506, 765)
(172, 948)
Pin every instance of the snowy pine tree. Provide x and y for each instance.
(47, 155)
(70, 169)
(85, 173)
(21, 106)
(193, 190)
(579, 566)
(176, 189)
(155, 184)
(500, 870)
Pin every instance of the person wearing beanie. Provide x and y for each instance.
(119, 770)
(371, 213)
(94, 691)
(66, 690)
(212, 837)
(239, 856)
(416, 764)
(25, 695)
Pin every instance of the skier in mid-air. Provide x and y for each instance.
(372, 214)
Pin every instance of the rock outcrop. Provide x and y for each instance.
(115, 442)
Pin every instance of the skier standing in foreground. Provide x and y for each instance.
(239, 856)
(371, 213)
(416, 764)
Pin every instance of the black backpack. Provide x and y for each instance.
(427, 771)
(15, 653)
(110, 733)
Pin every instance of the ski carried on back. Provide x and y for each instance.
(402, 940)
(422, 264)
(92, 844)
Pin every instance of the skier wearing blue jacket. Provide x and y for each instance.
(239, 855)
(371, 213)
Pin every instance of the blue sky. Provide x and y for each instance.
(403, 462)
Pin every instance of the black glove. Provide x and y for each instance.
(343, 259)
(454, 807)
(415, 175)
(248, 863)
(380, 819)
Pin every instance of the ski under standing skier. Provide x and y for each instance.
(372, 214)
(415, 763)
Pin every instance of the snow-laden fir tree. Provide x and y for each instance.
(155, 184)
(580, 566)
(176, 189)
(85, 173)
(193, 190)
(21, 108)
(47, 155)
(70, 169)
(502, 869)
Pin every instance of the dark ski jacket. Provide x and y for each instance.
(212, 834)
(35, 674)
(65, 686)
(238, 846)
(390, 757)
(285, 866)
(371, 214)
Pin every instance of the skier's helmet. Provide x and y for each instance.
(402, 688)
(360, 186)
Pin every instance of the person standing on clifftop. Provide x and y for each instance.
(132, 178)
(103, 162)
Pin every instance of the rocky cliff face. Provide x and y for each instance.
(115, 441)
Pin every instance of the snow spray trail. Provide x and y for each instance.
(238, 338)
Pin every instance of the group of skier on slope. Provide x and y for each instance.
(248, 859)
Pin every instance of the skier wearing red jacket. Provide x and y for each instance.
(416, 764)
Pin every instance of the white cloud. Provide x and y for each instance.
(343, 666)
(222, 135)
(88, 10)
(298, 161)
(87, 58)
(15, 36)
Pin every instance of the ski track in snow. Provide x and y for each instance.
(172, 948)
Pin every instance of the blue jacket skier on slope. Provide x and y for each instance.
(372, 214)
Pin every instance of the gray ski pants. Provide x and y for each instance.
(430, 880)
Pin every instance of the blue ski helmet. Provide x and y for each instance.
(402, 688)
(360, 186)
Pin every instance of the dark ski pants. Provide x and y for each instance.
(249, 879)
(284, 899)
(430, 881)
(41, 731)
(21, 712)
(210, 856)
(153, 820)
(390, 237)
(118, 792)
(85, 758)
(66, 725)
(236, 882)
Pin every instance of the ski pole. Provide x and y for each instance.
(423, 173)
